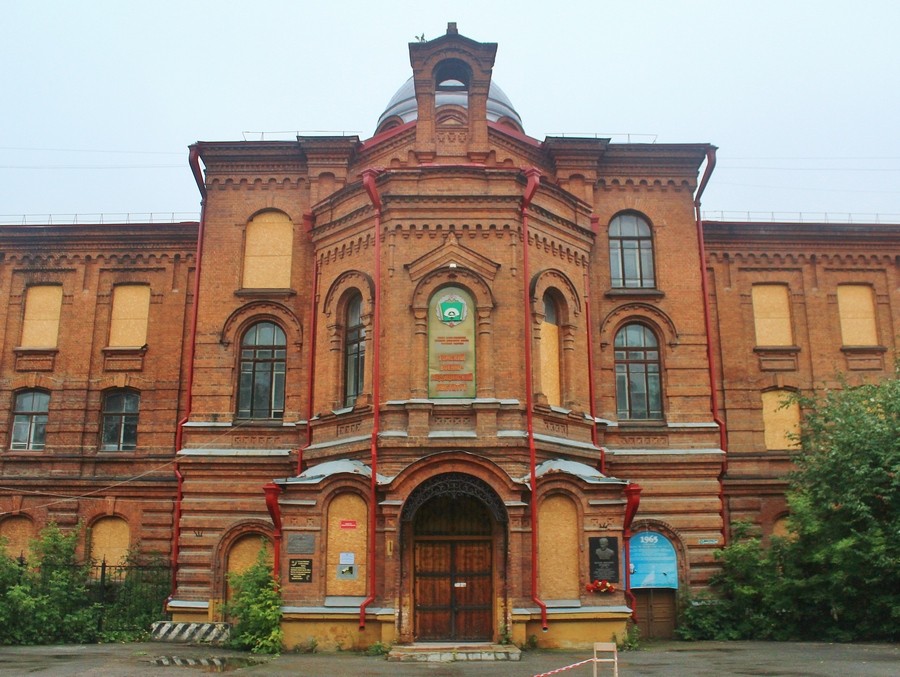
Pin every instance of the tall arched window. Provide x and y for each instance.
(631, 252)
(30, 420)
(638, 386)
(551, 382)
(120, 420)
(263, 366)
(354, 350)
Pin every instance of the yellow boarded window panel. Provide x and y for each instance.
(857, 310)
(110, 540)
(17, 532)
(772, 315)
(267, 252)
(780, 422)
(42, 308)
(558, 549)
(130, 313)
(347, 549)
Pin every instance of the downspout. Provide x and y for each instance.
(710, 352)
(272, 491)
(533, 176)
(590, 352)
(632, 501)
(194, 162)
(310, 372)
(368, 177)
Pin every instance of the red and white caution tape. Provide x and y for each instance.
(568, 667)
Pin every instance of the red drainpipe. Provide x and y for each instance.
(710, 352)
(272, 491)
(632, 501)
(310, 372)
(368, 177)
(533, 175)
(194, 161)
(590, 351)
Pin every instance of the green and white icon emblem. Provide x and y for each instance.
(451, 309)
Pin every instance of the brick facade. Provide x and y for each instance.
(457, 199)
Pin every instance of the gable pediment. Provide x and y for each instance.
(452, 254)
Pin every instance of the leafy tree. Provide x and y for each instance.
(256, 604)
(845, 508)
(836, 575)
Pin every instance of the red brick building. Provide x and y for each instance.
(451, 374)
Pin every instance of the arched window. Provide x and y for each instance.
(120, 420)
(631, 252)
(638, 386)
(354, 350)
(263, 366)
(551, 381)
(30, 420)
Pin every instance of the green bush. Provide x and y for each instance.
(256, 608)
(47, 601)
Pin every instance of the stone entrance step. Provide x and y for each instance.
(444, 652)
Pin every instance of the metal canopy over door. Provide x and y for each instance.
(452, 570)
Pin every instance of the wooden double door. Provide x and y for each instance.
(655, 608)
(453, 572)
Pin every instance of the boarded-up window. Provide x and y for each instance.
(857, 310)
(781, 420)
(780, 528)
(772, 315)
(267, 252)
(110, 540)
(42, 307)
(558, 549)
(130, 314)
(17, 532)
(242, 555)
(551, 383)
(347, 550)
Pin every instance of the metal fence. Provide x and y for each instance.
(129, 597)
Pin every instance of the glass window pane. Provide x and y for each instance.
(129, 433)
(38, 432)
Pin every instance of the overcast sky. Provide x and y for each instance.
(100, 99)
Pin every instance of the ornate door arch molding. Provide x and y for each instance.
(454, 484)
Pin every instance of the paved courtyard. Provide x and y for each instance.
(673, 659)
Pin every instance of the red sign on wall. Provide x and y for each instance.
(348, 524)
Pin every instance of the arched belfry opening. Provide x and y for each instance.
(467, 73)
(455, 528)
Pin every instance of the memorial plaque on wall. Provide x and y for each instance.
(301, 544)
(300, 570)
(604, 558)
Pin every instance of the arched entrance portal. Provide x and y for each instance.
(457, 528)
(654, 582)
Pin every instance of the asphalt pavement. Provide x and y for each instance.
(673, 659)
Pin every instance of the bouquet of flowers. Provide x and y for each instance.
(600, 586)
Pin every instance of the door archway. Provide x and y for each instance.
(654, 582)
(456, 525)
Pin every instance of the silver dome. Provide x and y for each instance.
(403, 104)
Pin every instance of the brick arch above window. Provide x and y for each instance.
(258, 311)
(338, 293)
(558, 284)
(644, 313)
(445, 277)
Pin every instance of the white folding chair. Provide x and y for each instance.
(606, 649)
